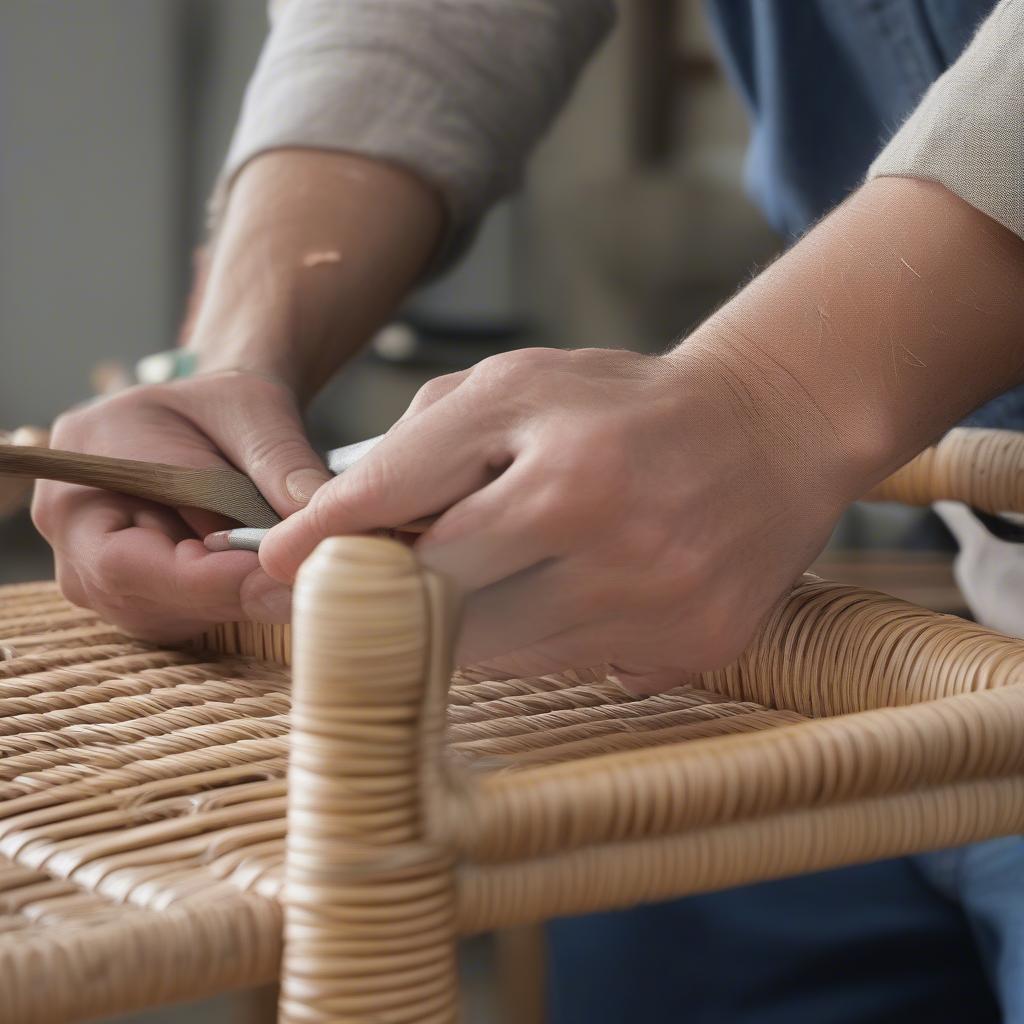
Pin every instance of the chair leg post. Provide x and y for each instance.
(368, 896)
(521, 963)
(256, 1006)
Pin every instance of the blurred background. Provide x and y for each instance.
(114, 117)
(115, 114)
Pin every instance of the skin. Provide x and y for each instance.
(599, 506)
(269, 324)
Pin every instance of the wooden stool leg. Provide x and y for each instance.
(369, 900)
(256, 1006)
(521, 965)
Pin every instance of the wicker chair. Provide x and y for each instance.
(151, 852)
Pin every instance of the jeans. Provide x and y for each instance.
(895, 942)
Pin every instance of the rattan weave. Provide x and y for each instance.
(167, 815)
(143, 793)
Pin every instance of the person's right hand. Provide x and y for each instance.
(141, 565)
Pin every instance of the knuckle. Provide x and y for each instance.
(369, 485)
(320, 515)
(515, 367)
(82, 425)
(434, 390)
(426, 395)
(349, 499)
(275, 448)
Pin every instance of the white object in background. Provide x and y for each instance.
(990, 571)
(395, 342)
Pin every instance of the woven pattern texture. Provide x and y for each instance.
(175, 823)
(143, 796)
(142, 823)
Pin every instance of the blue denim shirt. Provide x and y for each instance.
(827, 82)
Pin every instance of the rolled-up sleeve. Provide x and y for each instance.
(457, 91)
(968, 131)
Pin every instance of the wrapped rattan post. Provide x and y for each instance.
(984, 468)
(369, 908)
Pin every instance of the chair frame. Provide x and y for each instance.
(856, 726)
(394, 850)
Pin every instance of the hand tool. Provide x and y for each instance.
(216, 489)
(339, 459)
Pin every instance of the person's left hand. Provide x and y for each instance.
(600, 507)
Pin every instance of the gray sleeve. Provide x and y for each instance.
(968, 131)
(457, 91)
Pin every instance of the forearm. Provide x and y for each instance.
(314, 251)
(884, 326)
(320, 231)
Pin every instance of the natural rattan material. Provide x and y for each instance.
(144, 798)
(154, 839)
(983, 468)
(143, 814)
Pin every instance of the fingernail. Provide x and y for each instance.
(244, 538)
(302, 484)
(219, 541)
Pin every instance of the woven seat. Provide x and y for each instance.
(167, 816)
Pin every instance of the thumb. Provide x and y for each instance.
(258, 427)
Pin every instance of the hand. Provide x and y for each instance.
(599, 507)
(139, 564)
(647, 511)
(314, 250)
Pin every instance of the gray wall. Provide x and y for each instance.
(100, 183)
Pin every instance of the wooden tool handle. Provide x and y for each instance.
(127, 476)
(216, 489)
